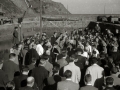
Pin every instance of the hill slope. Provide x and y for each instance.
(49, 7)
(17, 7)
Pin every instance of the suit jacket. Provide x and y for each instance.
(54, 79)
(53, 39)
(15, 37)
(26, 88)
(3, 78)
(32, 53)
(40, 74)
(88, 87)
(67, 85)
(20, 81)
(109, 88)
(9, 67)
(81, 61)
(52, 82)
(116, 79)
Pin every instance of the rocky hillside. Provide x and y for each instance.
(49, 7)
(17, 7)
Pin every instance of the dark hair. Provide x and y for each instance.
(34, 60)
(2, 88)
(16, 28)
(119, 76)
(62, 55)
(72, 58)
(56, 67)
(17, 73)
(79, 50)
(44, 57)
(94, 60)
(94, 52)
(68, 74)
(55, 32)
(109, 81)
(114, 70)
(88, 78)
(11, 55)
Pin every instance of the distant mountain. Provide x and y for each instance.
(18, 7)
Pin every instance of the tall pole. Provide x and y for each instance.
(40, 6)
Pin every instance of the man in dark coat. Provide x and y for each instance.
(81, 63)
(32, 53)
(40, 74)
(21, 81)
(9, 67)
(53, 38)
(109, 84)
(30, 83)
(15, 36)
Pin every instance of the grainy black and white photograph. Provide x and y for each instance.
(59, 44)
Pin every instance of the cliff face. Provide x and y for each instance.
(18, 7)
(49, 7)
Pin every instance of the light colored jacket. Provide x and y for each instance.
(76, 73)
(97, 73)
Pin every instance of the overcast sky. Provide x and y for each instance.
(92, 6)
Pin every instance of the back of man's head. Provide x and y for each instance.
(114, 70)
(73, 57)
(109, 81)
(63, 55)
(30, 81)
(68, 74)
(88, 78)
(79, 51)
(43, 61)
(94, 60)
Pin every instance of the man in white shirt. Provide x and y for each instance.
(76, 72)
(88, 48)
(39, 49)
(96, 73)
(96, 54)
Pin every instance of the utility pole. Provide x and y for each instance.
(40, 7)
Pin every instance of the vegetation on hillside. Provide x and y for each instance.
(18, 7)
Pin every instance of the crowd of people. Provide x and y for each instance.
(83, 59)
